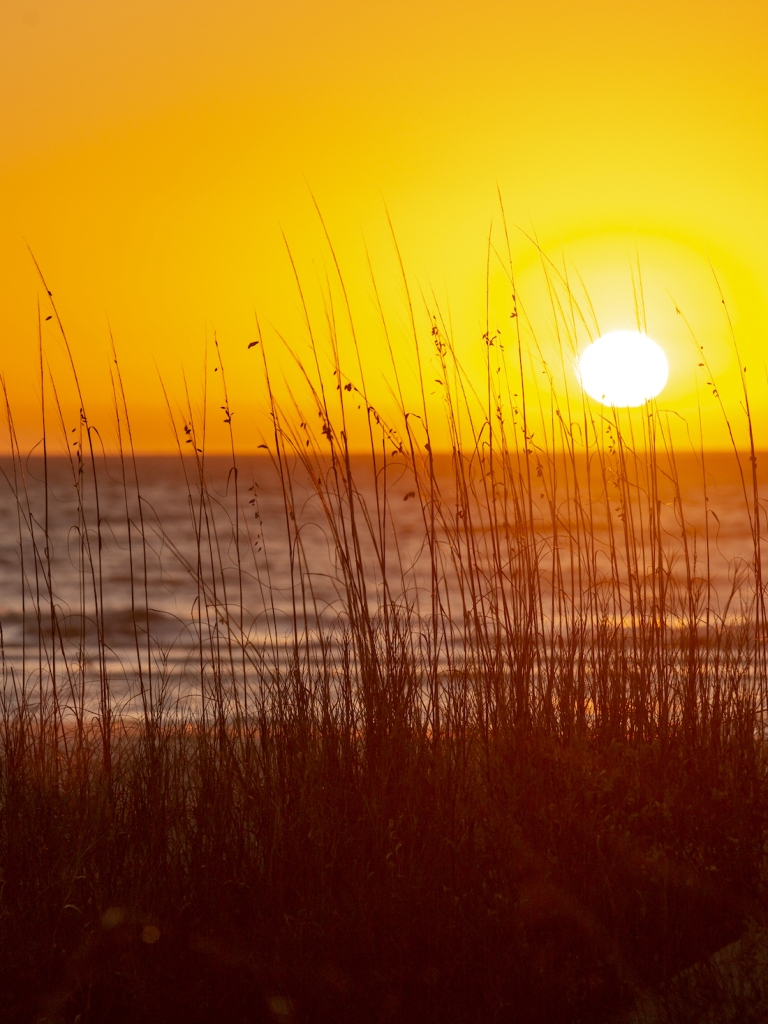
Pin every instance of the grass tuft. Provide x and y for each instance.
(462, 736)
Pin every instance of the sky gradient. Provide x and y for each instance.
(154, 154)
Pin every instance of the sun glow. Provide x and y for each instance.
(623, 368)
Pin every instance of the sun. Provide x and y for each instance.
(623, 368)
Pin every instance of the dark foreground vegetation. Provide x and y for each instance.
(281, 876)
(517, 777)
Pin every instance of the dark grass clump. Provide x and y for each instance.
(276, 874)
(493, 751)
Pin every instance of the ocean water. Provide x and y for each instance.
(144, 568)
(139, 572)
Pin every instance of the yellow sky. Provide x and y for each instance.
(152, 154)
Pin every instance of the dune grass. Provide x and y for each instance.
(514, 770)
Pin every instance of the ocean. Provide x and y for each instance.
(165, 570)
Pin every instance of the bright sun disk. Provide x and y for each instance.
(623, 368)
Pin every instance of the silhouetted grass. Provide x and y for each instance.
(513, 771)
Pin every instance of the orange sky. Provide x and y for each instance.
(153, 152)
